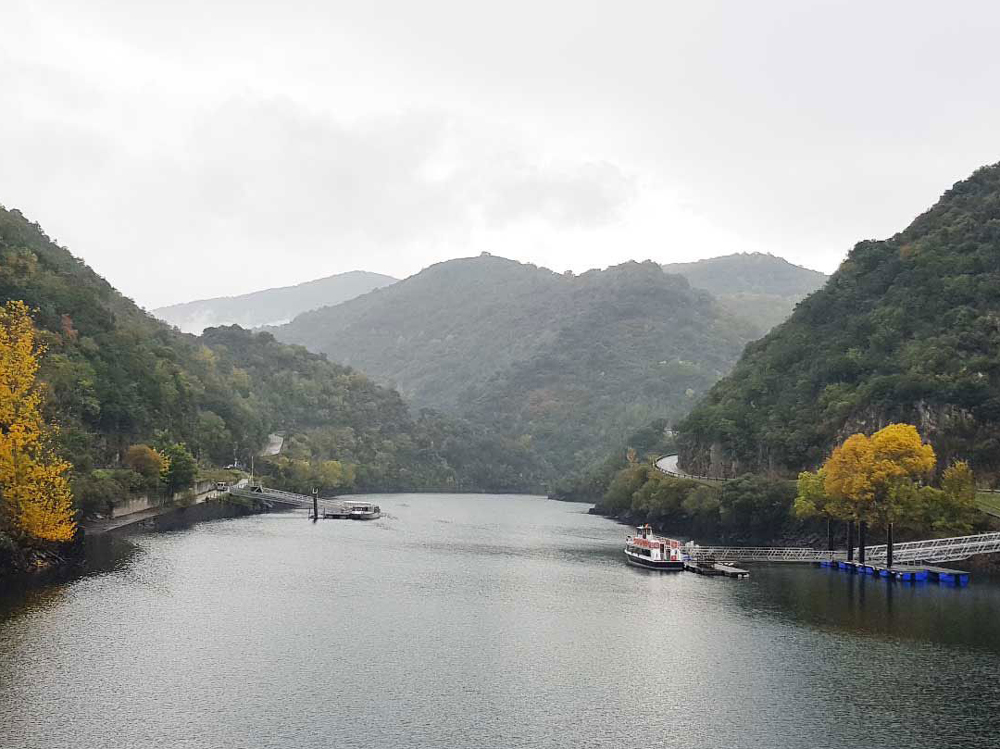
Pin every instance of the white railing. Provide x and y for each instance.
(937, 549)
(930, 550)
(760, 554)
(288, 498)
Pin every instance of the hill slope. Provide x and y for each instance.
(271, 306)
(907, 329)
(567, 364)
(758, 287)
(116, 376)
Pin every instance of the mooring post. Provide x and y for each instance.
(850, 540)
(315, 505)
(862, 528)
(888, 545)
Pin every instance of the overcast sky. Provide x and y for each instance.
(197, 148)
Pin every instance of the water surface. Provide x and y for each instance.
(488, 622)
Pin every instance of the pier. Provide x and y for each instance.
(319, 508)
(714, 569)
(908, 573)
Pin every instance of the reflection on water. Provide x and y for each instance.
(488, 622)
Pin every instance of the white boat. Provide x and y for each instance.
(353, 510)
(653, 552)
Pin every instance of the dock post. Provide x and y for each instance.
(850, 540)
(888, 545)
(862, 528)
(315, 505)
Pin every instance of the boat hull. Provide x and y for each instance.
(352, 515)
(658, 564)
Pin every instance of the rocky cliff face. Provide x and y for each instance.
(949, 428)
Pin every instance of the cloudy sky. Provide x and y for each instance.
(196, 148)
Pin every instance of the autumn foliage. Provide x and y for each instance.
(35, 497)
(885, 479)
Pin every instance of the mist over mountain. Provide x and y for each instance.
(568, 364)
(907, 329)
(271, 306)
(755, 286)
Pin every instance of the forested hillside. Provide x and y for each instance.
(116, 377)
(757, 287)
(271, 306)
(568, 365)
(908, 329)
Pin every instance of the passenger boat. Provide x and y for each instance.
(653, 552)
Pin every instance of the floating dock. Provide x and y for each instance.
(907, 573)
(713, 569)
(945, 575)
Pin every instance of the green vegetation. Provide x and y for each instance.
(750, 509)
(271, 306)
(564, 365)
(757, 287)
(988, 502)
(179, 467)
(643, 446)
(878, 481)
(117, 381)
(906, 331)
(333, 413)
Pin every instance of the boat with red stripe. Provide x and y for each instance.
(653, 552)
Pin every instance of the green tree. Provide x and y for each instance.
(180, 467)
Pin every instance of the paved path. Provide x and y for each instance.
(668, 465)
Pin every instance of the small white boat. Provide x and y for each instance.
(352, 510)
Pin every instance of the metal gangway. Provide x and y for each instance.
(286, 498)
(930, 550)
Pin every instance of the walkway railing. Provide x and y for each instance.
(760, 554)
(930, 550)
(287, 498)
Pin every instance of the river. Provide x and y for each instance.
(481, 621)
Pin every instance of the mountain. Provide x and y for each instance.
(907, 329)
(567, 364)
(271, 306)
(115, 376)
(754, 286)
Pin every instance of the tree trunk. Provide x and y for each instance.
(862, 532)
(829, 534)
(850, 540)
(888, 545)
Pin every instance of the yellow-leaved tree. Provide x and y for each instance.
(35, 497)
(875, 477)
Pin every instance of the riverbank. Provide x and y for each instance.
(24, 561)
(28, 566)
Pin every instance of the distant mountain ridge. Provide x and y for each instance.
(755, 286)
(907, 329)
(271, 306)
(115, 376)
(569, 364)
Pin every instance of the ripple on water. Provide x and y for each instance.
(486, 621)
